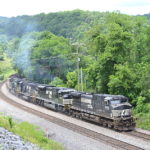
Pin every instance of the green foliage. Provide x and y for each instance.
(143, 119)
(140, 104)
(5, 122)
(122, 82)
(1, 58)
(57, 82)
(119, 46)
(35, 56)
(1, 77)
(6, 68)
(69, 24)
(10, 122)
(71, 79)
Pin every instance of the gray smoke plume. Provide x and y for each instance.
(21, 55)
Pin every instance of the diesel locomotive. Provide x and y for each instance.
(113, 111)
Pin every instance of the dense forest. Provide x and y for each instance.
(93, 51)
(69, 24)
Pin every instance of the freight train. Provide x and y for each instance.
(112, 111)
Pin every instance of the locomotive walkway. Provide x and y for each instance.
(117, 140)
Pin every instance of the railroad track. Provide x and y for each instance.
(81, 130)
(139, 135)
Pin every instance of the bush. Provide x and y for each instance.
(1, 58)
(57, 82)
(140, 104)
(1, 77)
(71, 79)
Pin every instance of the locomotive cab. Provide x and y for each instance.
(65, 97)
(118, 106)
(120, 112)
(114, 106)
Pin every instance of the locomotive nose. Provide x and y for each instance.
(126, 112)
(121, 110)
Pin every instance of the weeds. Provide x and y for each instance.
(143, 120)
(10, 122)
(29, 133)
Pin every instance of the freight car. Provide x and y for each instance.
(111, 111)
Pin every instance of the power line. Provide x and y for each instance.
(52, 57)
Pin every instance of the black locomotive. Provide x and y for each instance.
(112, 111)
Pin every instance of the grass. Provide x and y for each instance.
(143, 117)
(29, 133)
(143, 120)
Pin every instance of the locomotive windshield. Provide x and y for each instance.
(118, 101)
(67, 96)
(115, 102)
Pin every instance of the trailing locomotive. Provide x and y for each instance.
(112, 111)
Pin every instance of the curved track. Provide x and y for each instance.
(139, 135)
(89, 133)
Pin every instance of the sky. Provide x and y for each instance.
(11, 8)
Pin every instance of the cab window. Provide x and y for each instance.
(115, 102)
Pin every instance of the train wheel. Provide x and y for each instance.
(110, 126)
(80, 116)
(70, 113)
(73, 114)
(105, 124)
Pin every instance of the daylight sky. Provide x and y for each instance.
(9, 8)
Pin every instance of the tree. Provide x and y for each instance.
(72, 79)
(57, 82)
(123, 81)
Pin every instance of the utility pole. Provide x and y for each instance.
(78, 61)
(81, 80)
(78, 66)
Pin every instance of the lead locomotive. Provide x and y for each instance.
(112, 111)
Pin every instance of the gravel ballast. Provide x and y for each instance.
(10, 141)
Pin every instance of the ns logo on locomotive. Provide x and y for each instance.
(113, 111)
